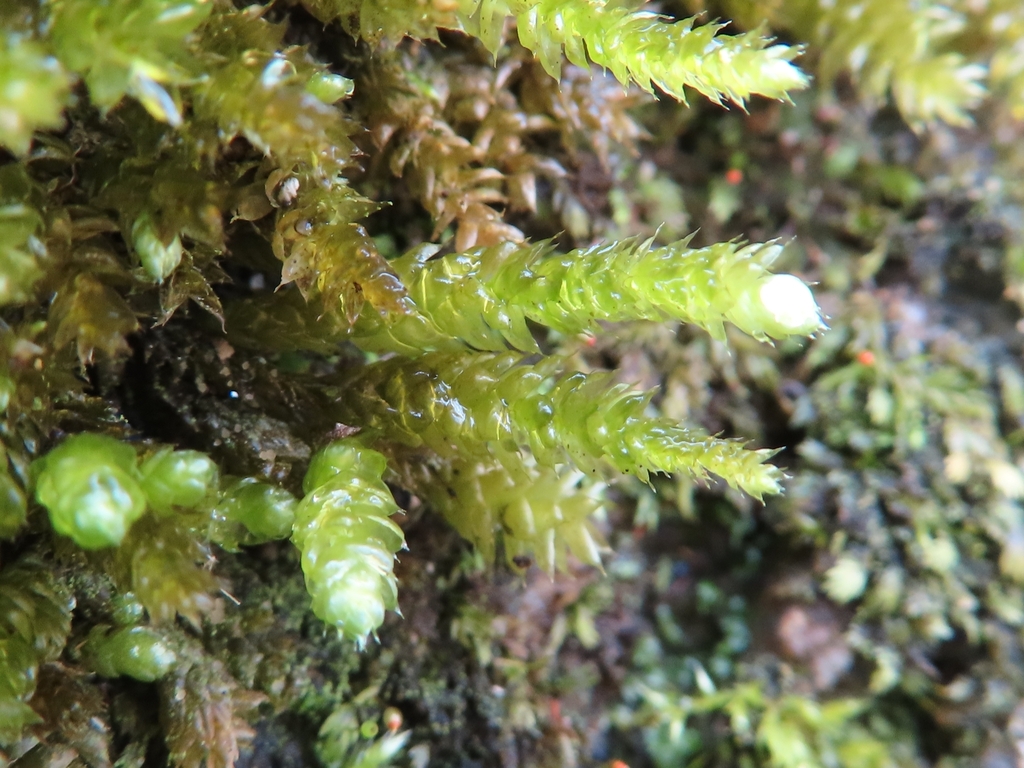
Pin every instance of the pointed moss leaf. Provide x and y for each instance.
(201, 714)
(189, 282)
(382, 752)
(33, 91)
(347, 539)
(643, 47)
(945, 88)
(36, 605)
(897, 47)
(177, 478)
(89, 485)
(326, 254)
(256, 87)
(153, 97)
(93, 316)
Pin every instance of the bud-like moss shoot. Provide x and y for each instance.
(90, 486)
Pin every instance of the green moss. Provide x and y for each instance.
(347, 539)
(201, 211)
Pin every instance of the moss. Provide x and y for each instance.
(203, 300)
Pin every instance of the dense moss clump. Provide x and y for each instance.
(272, 274)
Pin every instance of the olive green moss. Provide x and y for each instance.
(449, 246)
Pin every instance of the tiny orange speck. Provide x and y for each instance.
(392, 719)
(619, 764)
(555, 708)
(866, 357)
(733, 176)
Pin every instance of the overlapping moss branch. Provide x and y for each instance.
(635, 45)
(911, 51)
(483, 298)
(468, 404)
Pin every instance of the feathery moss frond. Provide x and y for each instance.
(327, 255)
(411, 133)
(92, 316)
(636, 45)
(483, 298)
(640, 46)
(276, 97)
(473, 403)
(468, 139)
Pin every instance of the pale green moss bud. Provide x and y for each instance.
(127, 610)
(177, 478)
(138, 652)
(89, 484)
(340, 458)
(159, 259)
(266, 511)
(350, 598)
(100, 514)
(777, 306)
(329, 88)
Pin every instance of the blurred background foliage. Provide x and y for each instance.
(200, 200)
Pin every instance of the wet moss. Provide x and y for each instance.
(202, 211)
